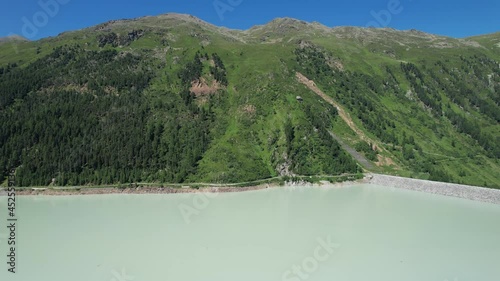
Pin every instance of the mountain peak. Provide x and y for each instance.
(181, 17)
(287, 20)
(286, 26)
(13, 38)
(157, 21)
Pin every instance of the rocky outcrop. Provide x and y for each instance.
(116, 39)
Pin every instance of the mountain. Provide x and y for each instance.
(12, 38)
(174, 99)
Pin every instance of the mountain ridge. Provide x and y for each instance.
(173, 99)
(13, 38)
(280, 20)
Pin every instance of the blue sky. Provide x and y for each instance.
(457, 18)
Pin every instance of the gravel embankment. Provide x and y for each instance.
(356, 155)
(448, 189)
(141, 190)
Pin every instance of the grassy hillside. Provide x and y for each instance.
(173, 99)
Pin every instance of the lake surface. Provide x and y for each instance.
(353, 234)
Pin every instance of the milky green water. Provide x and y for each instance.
(375, 234)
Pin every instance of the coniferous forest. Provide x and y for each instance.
(172, 100)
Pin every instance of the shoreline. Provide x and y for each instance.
(37, 191)
(474, 193)
(147, 188)
(133, 190)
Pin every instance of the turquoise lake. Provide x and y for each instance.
(359, 233)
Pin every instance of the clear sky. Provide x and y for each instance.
(457, 18)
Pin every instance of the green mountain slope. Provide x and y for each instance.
(12, 39)
(174, 99)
